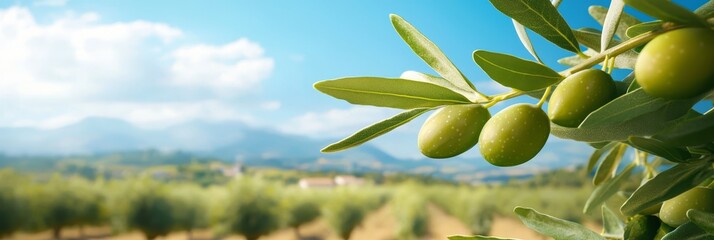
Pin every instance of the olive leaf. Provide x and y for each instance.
(417, 76)
(525, 40)
(554, 227)
(643, 28)
(611, 22)
(591, 38)
(659, 148)
(691, 132)
(633, 85)
(666, 185)
(608, 166)
(626, 20)
(389, 92)
(431, 54)
(706, 10)
(477, 237)
(688, 230)
(666, 10)
(625, 60)
(604, 191)
(515, 72)
(595, 157)
(612, 225)
(541, 17)
(375, 130)
(704, 220)
(632, 105)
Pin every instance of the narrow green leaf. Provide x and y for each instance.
(515, 72)
(608, 166)
(667, 11)
(525, 40)
(645, 125)
(541, 17)
(390, 92)
(610, 25)
(554, 227)
(706, 10)
(624, 85)
(632, 105)
(659, 148)
(633, 85)
(625, 60)
(375, 130)
(477, 237)
(612, 225)
(643, 28)
(431, 54)
(704, 220)
(591, 38)
(595, 157)
(626, 20)
(423, 77)
(691, 132)
(604, 191)
(666, 185)
(689, 231)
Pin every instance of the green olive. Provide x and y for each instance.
(452, 130)
(641, 227)
(578, 95)
(514, 135)
(674, 211)
(677, 64)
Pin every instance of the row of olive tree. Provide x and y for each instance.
(251, 207)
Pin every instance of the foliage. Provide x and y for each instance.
(253, 208)
(151, 212)
(303, 206)
(669, 61)
(409, 204)
(346, 208)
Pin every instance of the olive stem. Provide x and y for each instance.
(545, 96)
(587, 63)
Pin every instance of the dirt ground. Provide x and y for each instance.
(378, 225)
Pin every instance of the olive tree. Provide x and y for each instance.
(151, 212)
(189, 205)
(254, 208)
(344, 211)
(302, 207)
(669, 61)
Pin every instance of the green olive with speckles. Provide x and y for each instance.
(452, 130)
(514, 135)
(674, 211)
(677, 64)
(580, 94)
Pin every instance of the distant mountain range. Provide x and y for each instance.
(234, 141)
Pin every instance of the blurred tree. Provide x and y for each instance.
(151, 212)
(302, 208)
(189, 205)
(344, 212)
(254, 208)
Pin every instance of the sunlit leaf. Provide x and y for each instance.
(706, 10)
(666, 185)
(430, 53)
(625, 60)
(643, 28)
(632, 105)
(525, 40)
(554, 227)
(541, 17)
(608, 166)
(375, 130)
(611, 23)
(417, 76)
(612, 225)
(591, 38)
(389, 92)
(604, 191)
(666, 10)
(626, 20)
(597, 154)
(515, 72)
(704, 220)
(659, 148)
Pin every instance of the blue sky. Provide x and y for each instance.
(159, 63)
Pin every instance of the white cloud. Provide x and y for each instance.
(271, 105)
(50, 3)
(75, 66)
(237, 66)
(335, 123)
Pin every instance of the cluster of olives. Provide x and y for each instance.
(678, 64)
